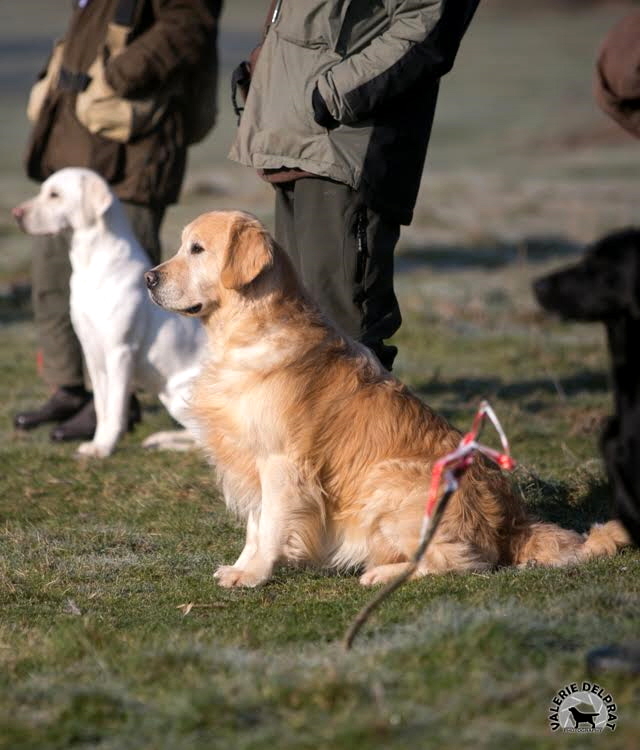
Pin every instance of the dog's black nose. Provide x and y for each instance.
(152, 278)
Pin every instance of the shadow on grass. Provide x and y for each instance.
(574, 506)
(495, 255)
(592, 381)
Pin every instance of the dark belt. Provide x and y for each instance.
(70, 81)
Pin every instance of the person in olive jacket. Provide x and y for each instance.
(338, 117)
(167, 42)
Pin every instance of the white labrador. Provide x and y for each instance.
(127, 341)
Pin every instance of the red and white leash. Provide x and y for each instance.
(451, 468)
(454, 464)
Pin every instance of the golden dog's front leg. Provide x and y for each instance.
(235, 575)
(266, 529)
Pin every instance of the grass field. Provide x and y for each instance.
(113, 633)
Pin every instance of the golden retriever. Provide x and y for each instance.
(326, 455)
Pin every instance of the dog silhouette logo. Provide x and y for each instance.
(583, 716)
(582, 708)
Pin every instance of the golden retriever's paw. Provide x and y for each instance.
(230, 577)
(382, 574)
(93, 450)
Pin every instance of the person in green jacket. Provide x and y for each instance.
(167, 42)
(338, 117)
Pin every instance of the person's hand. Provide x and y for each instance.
(321, 112)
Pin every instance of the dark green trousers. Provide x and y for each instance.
(344, 254)
(60, 351)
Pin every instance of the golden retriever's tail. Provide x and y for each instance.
(547, 544)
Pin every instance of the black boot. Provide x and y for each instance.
(63, 404)
(82, 426)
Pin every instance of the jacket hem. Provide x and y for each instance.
(260, 160)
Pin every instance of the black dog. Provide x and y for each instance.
(605, 287)
(580, 717)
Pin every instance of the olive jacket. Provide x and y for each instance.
(168, 39)
(347, 91)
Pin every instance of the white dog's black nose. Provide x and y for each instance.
(152, 278)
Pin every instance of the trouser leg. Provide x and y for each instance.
(285, 229)
(62, 363)
(344, 253)
(61, 355)
(374, 292)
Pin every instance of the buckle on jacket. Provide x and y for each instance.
(69, 81)
(240, 81)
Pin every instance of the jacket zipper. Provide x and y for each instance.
(361, 256)
(276, 12)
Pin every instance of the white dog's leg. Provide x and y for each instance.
(96, 367)
(112, 405)
(175, 399)
(95, 359)
(171, 440)
(266, 534)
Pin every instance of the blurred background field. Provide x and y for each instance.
(99, 563)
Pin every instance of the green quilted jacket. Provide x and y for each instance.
(347, 90)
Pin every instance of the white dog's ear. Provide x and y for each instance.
(96, 197)
(248, 254)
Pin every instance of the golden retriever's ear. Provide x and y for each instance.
(248, 254)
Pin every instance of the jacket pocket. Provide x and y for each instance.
(293, 74)
(343, 28)
(305, 23)
(108, 115)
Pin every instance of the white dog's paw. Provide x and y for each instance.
(170, 440)
(230, 577)
(93, 450)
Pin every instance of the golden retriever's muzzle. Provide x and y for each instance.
(153, 280)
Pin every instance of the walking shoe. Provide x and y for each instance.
(82, 425)
(63, 404)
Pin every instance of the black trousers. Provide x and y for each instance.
(344, 253)
(60, 351)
